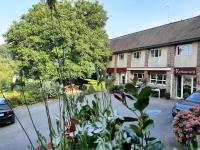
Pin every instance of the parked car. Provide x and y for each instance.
(6, 112)
(190, 101)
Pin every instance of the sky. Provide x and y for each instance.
(125, 16)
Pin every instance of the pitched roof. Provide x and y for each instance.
(173, 33)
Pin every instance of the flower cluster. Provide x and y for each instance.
(48, 147)
(70, 128)
(186, 125)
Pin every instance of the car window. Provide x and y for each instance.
(195, 97)
(2, 101)
(4, 107)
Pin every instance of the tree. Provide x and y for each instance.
(8, 66)
(71, 39)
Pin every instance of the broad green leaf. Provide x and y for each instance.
(148, 125)
(136, 129)
(143, 98)
(131, 89)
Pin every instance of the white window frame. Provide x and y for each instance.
(154, 51)
(187, 50)
(156, 80)
(137, 55)
(137, 74)
(121, 57)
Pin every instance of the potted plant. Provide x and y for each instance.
(167, 95)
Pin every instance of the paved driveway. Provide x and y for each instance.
(13, 138)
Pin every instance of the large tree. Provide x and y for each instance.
(71, 39)
(7, 67)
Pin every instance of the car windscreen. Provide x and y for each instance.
(195, 97)
(4, 107)
(2, 101)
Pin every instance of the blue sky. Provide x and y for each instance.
(125, 16)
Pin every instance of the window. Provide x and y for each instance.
(137, 55)
(185, 49)
(158, 78)
(140, 76)
(110, 58)
(155, 53)
(121, 56)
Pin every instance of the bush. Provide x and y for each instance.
(167, 95)
(186, 126)
(93, 86)
(32, 95)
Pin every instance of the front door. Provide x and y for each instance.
(122, 78)
(186, 85)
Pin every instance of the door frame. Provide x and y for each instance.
(182, 84)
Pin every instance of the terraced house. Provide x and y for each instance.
(166, 57)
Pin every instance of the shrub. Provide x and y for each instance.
(167, 95)
(93, 86)
(186, 126)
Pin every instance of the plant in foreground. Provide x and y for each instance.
(186, 126)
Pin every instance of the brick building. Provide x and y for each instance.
(166, 57)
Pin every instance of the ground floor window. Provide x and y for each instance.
(139, 76)
(158, 78)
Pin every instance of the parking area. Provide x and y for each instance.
(12, 136)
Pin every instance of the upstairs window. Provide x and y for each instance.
(137, 55)
(155, 53)
(110, 58)
(121, 56)
(185, 49)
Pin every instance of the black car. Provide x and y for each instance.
(6, 112)
(190, 101)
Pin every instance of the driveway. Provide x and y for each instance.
(13, 138)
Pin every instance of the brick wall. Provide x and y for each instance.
(198, 66)
(171, 51)
(129, 59)
(146, 58)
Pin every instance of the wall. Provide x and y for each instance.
(138, 62)
(122, 63)
(187, 61)
(111, 64)
(159, 61)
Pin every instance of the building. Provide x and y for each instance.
(166, 57)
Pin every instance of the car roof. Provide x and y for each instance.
(2, 100)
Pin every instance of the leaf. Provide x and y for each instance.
(156, 145)
(130, 119)
(141, 104)
(136, 129)
(148, 125)
(129, 96)
(143, 98)
(145, 92)
(131, 89)
(118, 96)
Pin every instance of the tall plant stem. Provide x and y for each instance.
(23, 95)
(47, 113)
(20, 124)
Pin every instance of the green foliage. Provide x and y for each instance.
(32, 95)
(93, 86)
(67, 42)
(8, 67)
(142, 124)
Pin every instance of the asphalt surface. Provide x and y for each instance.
(12, 136)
